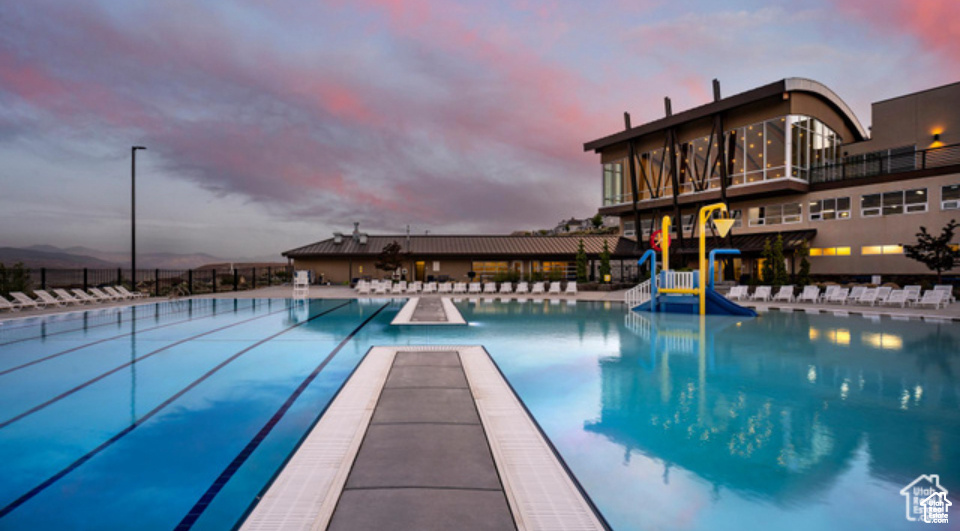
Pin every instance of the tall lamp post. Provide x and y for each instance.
(133, 214)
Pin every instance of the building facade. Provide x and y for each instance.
(790, 158)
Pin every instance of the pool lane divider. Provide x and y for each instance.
(104, 340)
(96, 379)
(313, 490)
(201, 505)
(106, 444)
(85, 328)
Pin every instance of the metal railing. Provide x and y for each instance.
(638, 295)
(162, 282)
(886, 162)
(678, 279)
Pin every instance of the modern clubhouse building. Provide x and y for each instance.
(789, 158)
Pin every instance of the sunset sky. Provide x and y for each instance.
(271, 124)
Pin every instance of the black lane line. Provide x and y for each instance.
(21, 340)
(224, 477)
(104, 340)
(88, 383)
(89, 455)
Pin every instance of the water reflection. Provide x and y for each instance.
(778, 407)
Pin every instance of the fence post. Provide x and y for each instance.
(84, 279)
(119, 276)
(43, 278)
(269, 276)
(253, 275)
(190, 280)
(156, 282)
(236, 278)
(923, 160)
(213, 277)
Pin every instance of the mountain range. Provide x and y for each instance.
(79, 257)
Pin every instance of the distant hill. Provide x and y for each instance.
(79, 257)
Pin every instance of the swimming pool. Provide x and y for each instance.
(178, 414)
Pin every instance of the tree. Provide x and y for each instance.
(604, 262)
(766, 273)
(803, 277)
(935, 252)
(390, 258)
(16, 278)
(597, 221)
(780, 276)
(581, 263)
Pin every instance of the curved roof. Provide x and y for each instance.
(791, 84)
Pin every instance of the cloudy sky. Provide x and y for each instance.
(271, 124)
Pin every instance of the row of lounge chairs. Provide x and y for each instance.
(364, 287)
(938, 297)
(62, 297)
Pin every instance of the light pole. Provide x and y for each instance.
(133, 214)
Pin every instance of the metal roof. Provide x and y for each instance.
(751, 243)
(467, 245)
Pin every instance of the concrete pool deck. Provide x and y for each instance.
(429, 438)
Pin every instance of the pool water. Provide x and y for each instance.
(179, 414)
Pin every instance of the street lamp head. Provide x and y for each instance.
(138, 147)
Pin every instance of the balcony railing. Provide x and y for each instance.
(886, 162)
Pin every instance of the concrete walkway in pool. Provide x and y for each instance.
(424, 462)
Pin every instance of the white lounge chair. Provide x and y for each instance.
(869, 296)
(554, 288)
(522, 287)
(413, 287)
(537, 288)
(897, 296)
(831, 289)
(737, 293)
(785, 294)
(83, 296)
(913, 293)
(130, 294)
(855, 294)
(475, 287)
(948, 289)
(99, 295)
(65, 296)
(398, 288)
(114, 293)
(383, 288)
(47, 298)
(882, 293)
(931, 297)
(26, 302)
(809, 294)
(430, 287)
(445, 287)
(762, 293)
(460, 287)
(571, 288)
(506, 288)
(489, 287)
(363, 288)
(7, 305)
(839, 296)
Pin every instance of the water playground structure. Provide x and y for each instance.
(687, 292)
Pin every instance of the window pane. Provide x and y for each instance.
(774, 136)
(870, 201)
(913, 197)
(951, 193)
(843, 203)
(843, 251)
(871, 250)
(892, 203)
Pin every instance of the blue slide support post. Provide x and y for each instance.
(712, 260)
(651, 255)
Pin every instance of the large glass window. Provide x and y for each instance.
(893, 203)
(775, 215)
(629, 228)
(774, 136)
(812, 144)
(950, 197)
(486, 270)
(613, 184)
(827, 209)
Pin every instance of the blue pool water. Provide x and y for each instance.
(180, 413)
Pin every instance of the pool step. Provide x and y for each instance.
(425, 438)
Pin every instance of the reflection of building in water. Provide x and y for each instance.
(769, 407)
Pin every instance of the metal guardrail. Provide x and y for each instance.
(886, 162)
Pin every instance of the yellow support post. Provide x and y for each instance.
(665, 242)
(723, 229)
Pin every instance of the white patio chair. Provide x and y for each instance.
(65, 296)
(931, 297)
(7, 305)
(898, 297)
(913, 293)
(737, 293)
(83, 296)
(26, 302)
(785, 294)
(839, 296)
(363, 288)
(99, 295)
(489, 287)
(554, 288)
(47, 298)
(537, 288)
(130, 294)
(809, 294)
(855, 294)
(361, 284)
(948, 289)
(506, 288)
(114, 293)
(460, 287)
(571, 288)
(882, 293)
(523, 287)
(445, 287)
(382, 288)
(831, 289)
(398, 288)
(429, 287)
(869, 296)
(413, 287)
(762, 293)
(475, 287)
